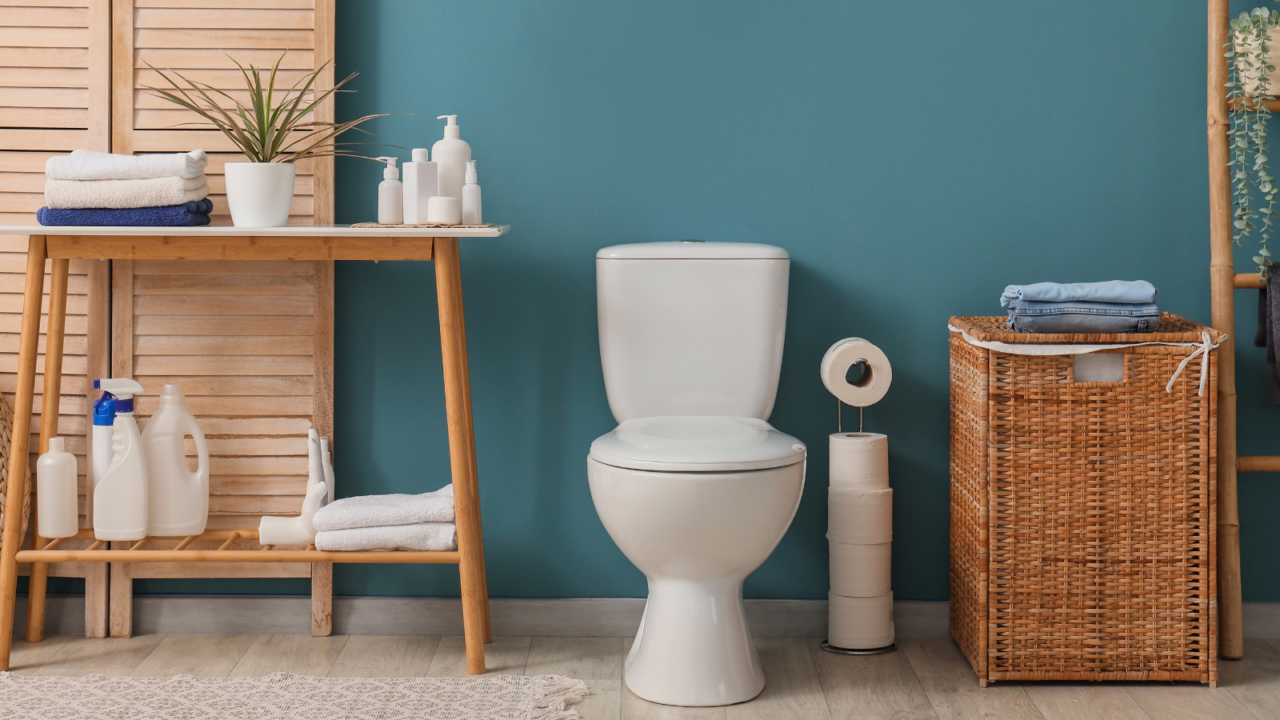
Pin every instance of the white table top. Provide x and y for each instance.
(230, 231)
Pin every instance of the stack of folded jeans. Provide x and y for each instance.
(93, 188)
(1116, 306)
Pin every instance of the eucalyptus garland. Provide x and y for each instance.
(1249, 53)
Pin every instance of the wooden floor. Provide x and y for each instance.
(926, 678)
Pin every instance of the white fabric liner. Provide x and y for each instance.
(1202, 350)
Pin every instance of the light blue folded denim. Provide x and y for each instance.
(1083, 317)
(1113, 291)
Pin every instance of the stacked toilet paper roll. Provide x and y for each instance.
(860, 530)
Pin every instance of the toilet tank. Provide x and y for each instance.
(691, 328)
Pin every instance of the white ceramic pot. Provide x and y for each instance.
(260, 194)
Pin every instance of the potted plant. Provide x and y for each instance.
(274, 131)
(1248, 51)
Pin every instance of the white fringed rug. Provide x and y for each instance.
(283, 695)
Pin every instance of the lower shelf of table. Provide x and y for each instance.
(49, 552)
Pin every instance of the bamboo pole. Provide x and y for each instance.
(1222, 278)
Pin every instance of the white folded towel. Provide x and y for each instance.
(90, 165)
(117, 194)
(419, 536)
(381, 510)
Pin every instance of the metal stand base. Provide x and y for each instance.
(844, 651)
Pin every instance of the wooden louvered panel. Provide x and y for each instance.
(194, 38)
(55, 74)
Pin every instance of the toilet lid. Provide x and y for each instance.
(697, 443)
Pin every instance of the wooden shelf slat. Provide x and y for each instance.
(279, 556)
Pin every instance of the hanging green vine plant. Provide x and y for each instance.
(1249, 54)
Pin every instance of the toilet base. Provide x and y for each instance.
(693, 647)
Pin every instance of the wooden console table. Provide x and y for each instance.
(62, 244)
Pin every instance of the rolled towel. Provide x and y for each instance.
(120, 194)
(419, 536)
(184, 215)
(90, 165)
(382, 510)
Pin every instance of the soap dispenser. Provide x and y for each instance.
(120, 497)
(177, 499)
(390, 195)
(421, 180)
(471, 197)
(451, 155)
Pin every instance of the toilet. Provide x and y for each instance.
(694, 486)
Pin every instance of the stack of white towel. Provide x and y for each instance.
(94, 188)
(388, 522)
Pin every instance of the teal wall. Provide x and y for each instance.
(912, 158)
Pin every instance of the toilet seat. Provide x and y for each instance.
(696, 443)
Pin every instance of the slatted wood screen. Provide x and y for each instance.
(251, 345)
(55, 60)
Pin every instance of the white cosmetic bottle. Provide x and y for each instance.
(57, 510)
(421, 179)
(120, 498)
(471, 197)
(178, 499)
(390, 195)
(451, 155)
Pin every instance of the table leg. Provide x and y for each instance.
(11, 536)
(457, 394)
(51, 400)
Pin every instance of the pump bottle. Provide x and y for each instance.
(471, 197)
(451, 155)
(120, 498)
(390, 195)
(421, 179)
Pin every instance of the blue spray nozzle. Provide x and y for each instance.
(104, 409)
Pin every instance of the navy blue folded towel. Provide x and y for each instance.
(186, 214)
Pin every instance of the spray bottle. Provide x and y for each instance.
(390, 195)
(120, 496)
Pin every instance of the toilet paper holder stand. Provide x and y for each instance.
(826, 645)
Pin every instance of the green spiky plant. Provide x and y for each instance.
(274, 126)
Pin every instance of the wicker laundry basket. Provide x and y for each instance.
(6, 436)
(1083, 514)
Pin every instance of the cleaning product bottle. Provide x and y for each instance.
(120, 497)
(298, 529)
(421, 180)
(451, 155)
(326, 460)
(390, 195)
(177, 499)
(104, 416)
(471, 197)
(57, 505)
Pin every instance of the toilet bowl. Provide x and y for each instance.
(694, 486)
(696, 534)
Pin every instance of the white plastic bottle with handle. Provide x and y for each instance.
(120, 497)
(178, 499)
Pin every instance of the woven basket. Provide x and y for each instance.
(1083, 514)
(6, 437)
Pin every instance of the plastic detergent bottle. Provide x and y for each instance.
(120, 497)
(177, 499)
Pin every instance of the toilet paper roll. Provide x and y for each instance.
(860, 570)
(860, 517)
(857, 623)
(859, 461)
(875, 379)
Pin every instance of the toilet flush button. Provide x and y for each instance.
(798, 447)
